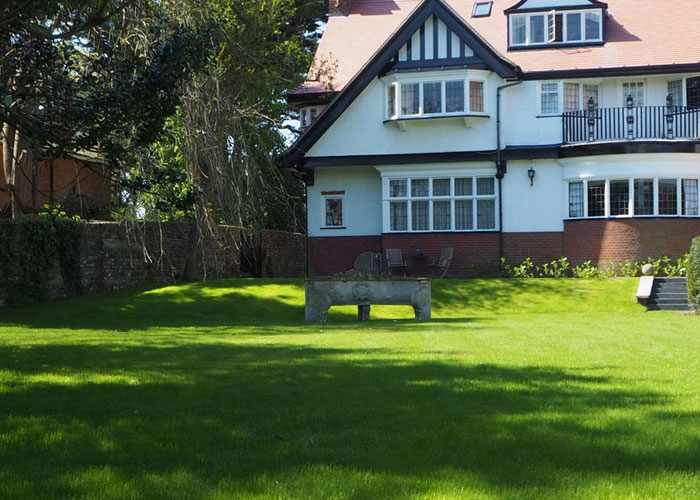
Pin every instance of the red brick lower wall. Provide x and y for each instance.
(540, 247)
(336, 254)
(597, 240)
(601, 240)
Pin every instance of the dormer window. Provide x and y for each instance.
(555, 27)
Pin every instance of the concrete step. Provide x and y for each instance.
(669, 300)
(668, 307)
(683, 295)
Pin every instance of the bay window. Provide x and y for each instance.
(668, 197)
(633, 197)
(410, 99)
(435, 98)
(440, 203)
(596, 199)
(644, 197)
(689, 189)
(619, 197)
(432, 98)
(454, 96)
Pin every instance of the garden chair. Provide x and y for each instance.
(442, 263)
(394, 260)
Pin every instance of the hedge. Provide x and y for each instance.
(693, 274)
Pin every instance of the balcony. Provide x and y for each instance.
(631, 123)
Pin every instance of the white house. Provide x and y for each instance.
(546, 128)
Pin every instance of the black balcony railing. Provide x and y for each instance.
(630, 123)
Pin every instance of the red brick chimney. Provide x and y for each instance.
(339, 7)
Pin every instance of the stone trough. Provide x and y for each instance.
(322, 293)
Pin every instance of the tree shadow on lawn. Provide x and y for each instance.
(212, 304)
(249, 416)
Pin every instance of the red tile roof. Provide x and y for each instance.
(639, 33)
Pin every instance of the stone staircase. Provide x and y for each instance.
(669, 294)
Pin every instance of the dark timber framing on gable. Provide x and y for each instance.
(383, 58)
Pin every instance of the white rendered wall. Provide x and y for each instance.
(361, 130)
(668, 165)
(535, 208)
(362, 202)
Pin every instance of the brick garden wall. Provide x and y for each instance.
(477, 254)
(114, 255)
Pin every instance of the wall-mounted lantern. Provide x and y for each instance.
(531, 175)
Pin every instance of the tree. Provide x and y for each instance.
(232, 114)
(96, 76)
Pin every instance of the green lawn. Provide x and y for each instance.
(561, 389)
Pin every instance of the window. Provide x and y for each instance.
(593, 25)
(537, 29)
(643, 197)
(476, 96)
(590, 92)
(398, 214)
(634, 89)
(410, 98)
(518, 30)
(334, 211)
(675, 90)
(692, 89)
(649, 197)
(668, 197)
(549, 96)
(619, 197)
(312, 114)
(419, 211)
(573, 27)
(596, 199)
(303, 118)
(555, 27)
(571, 97)
(482, 9)
(576, 199)
(689, 188)
(391, 100)
(454, 95)
(446, 203)
(432, 98)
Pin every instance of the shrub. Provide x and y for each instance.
(670, 267)
(607, 270)
(585, 270)
(556, 269)
(630, 268)
(693, 273)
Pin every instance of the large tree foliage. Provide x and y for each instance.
(231, 116)
(95, 76)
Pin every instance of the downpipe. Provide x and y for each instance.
(501, 167)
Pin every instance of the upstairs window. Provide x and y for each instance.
(634, 89)
(433, 98)
(556, 27)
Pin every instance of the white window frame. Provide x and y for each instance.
(434, 175)
(341, 197)
(547, 16)
(623, 97)
(436, 77)
(560, 97)
(679, 197)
